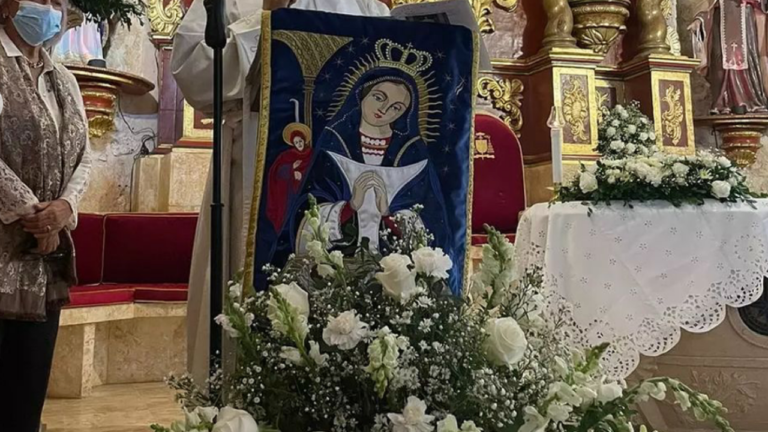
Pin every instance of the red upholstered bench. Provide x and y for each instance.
(499, 183)
(132, 257)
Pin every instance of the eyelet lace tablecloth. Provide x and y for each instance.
(635, 276)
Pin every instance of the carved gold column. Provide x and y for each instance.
(653, 28)
(557, 34)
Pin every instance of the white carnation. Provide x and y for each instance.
(680, 169)
(345, 331)
(432, 262)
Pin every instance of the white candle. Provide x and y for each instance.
(556, 136)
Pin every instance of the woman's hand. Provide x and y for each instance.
(47, 245)
(277, 4)
(49, 218)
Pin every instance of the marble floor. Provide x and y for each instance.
(113, 408)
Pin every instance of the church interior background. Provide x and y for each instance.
(152, 152)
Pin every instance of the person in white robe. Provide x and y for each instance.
(192, 66)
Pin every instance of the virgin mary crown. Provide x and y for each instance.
(407, 59)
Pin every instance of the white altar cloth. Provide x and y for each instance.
(635, 276)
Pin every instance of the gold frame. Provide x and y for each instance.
(656, 78)
(578, 149)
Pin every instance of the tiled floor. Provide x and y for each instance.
(113, 408)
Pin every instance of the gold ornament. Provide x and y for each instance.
(576, 109)
(164, 20)
(483, 147)
(672, 118)
(598, 23)
(653, 28)
(506, 96)
(602, 105)
(482, 9)
(557, 34)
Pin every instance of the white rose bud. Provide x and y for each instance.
(721, 189)
(233, 420)
(432, 262)
(587, 182)
(617, 145)
(506, 343)
(398, 280)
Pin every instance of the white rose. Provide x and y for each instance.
(631, 148)
(733, 181)
(617, 145)
(534, 422)
(295, 296)
(233, 420)
(631, 129)
(506, 343)
(624, 115)
(611, 131)
(591, 168)
(398, 280)
(643, 136)
(432, 262)
(721, 189)
(609, 392)
(615, 123)
(680, 169)
(413, 419)
(587, 182)
(345, 331)
(724, 162)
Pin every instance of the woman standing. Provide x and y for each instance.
(44, 169)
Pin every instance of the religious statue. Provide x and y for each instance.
(726, 40)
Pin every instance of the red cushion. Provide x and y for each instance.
(148, 248)
(161, 293)
(89, 247)
(100, 295)
(499, 187)
(481, 239)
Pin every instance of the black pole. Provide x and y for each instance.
(216, 38)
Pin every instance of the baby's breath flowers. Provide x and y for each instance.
(371, 343)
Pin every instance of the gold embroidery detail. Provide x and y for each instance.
(313, 51)
(482, 9)
(576, 109)
(672, 118)
(483, 147)
(164, 20)
(506, 96)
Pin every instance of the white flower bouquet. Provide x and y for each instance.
(676, 179)
(625, 132)
(372, 343)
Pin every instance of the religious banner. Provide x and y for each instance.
(373, 118)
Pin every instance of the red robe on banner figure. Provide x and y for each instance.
(288, 171)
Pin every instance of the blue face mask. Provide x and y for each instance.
(37, 23)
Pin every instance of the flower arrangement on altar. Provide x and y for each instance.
(632, 168)
(625, 132)
(379, 343)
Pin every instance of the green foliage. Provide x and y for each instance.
(124, 11)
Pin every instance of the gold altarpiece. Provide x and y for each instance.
(577, 55)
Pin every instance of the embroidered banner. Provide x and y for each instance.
(370, 116)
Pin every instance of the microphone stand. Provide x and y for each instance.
(216, 38)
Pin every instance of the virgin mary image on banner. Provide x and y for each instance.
(392, 121)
